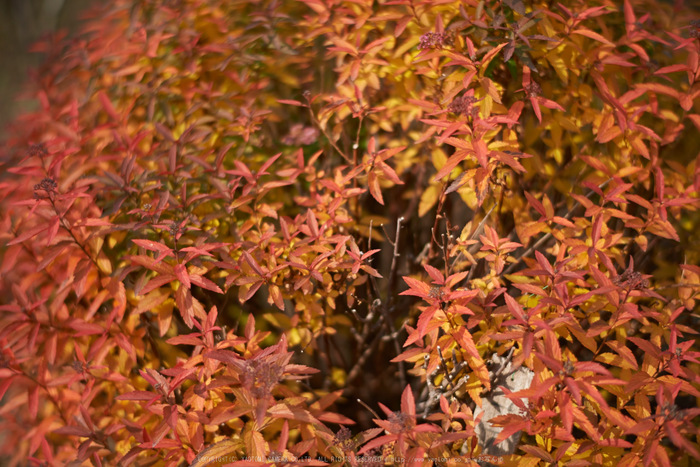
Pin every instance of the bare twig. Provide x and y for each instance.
(395, 255)
(361, 402)
(441, 201)
(477, 231)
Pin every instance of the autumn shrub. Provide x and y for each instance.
(355, 232)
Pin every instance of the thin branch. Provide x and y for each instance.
(546, 238)
(392, 271)
(316, 122)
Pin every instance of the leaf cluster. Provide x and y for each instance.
(232, 230)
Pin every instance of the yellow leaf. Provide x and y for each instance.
(104, 263)
(428, 199)
(612, 359)
(468, 195)
(179, 130)
(439, 159)
(217, 454)
(642, 241)
(559, 66)
(523, 461)
(474, 388)
(486, 106)
(279, 320)
(338, 376)
(545, 443)
(568, 124)
(165, 316)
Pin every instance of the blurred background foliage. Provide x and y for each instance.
(23, 22)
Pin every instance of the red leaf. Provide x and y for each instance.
(515, 308)
(107, 106)
(659, 89)
(544, 264)
(53, 230)
(451, 163)
(74, 431)
(151, 245)
(382, 440)
(291, 102)
(464, 296)
(491, 54)
(464, 339)
(5, 385)
(182, 275)
(85, 329)
(536, 108)
(312, 222)
(481, 152)
(155, 283)
(185, 303)
(335, 418)
(205, 283)
(566, 411)
(33, 401)
(434, 274)
(252, 263)
(374, 188)
(550, 104)
(28, 234)
(187, 339)
(410, 353)
(408, 403)
(630, 19)
(95, 222)
(671, 69)
(226, 356)
(153, 265)
(615, 442)
(252, 289)
(509, 430)
(536, 204)
(417, 288)
(647, 347)
(424, 320)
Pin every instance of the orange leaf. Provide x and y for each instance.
(182, 275)
(593, 35)
(374, 188)
(28, 234)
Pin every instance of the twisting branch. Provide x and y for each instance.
(449, 379)
(477, 231)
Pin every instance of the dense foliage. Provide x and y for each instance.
(238, 229)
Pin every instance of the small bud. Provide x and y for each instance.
(533, 90)
(47, 185)
(38, 150)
